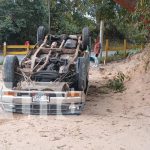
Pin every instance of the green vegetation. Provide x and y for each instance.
(117, 83)
(119, 23)
(19, 21)
(119, 55)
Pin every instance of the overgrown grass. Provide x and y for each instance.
(116, 57)
(120, 55)
(117, 83)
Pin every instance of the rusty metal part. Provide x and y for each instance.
(37, 65)
(38, 50)
(46, 62)
(35, 62)
(62, 44)
(42, 86)
(76, 53)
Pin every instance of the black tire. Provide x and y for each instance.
(85, 38)
(8, 72)
(87, 84)
(41, 32)
(81, 78)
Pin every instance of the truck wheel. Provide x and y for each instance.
(8, 72)
(87, 84)
(81, 75)
(85, 38)
(41, 32)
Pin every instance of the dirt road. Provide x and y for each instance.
(110, 121)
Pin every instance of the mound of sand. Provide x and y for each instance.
(132, 66)
(116, 121)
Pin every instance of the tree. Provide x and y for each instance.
(20, 20)
(142, 15)
(104, 11)
(69, 17)
(133, 26)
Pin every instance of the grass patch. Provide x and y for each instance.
(120, 55)
(116, 57)
(117, 83)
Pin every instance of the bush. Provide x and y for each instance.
(117, 83)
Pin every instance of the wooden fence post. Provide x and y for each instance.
(106, 49)
(142, 47)
(125, 47)
(142, 2)
(28, 47)
(4, 49)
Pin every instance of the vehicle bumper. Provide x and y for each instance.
(61, 104)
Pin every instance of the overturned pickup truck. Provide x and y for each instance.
(51, 79)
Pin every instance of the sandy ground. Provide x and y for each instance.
(110, 121)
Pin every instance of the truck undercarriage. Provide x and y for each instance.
(55, 72)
